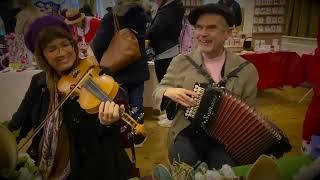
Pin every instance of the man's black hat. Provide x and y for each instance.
(211, 9)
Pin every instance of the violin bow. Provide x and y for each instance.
(37, 130)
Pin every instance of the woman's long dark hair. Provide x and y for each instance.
(46, 36)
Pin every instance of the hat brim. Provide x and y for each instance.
(210, 9)
(75, 21)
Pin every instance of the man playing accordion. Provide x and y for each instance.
(210, 63)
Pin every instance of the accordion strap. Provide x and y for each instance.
(235, 72)
(200, 70)
(232, 74)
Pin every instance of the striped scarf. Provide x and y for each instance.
(50, 139)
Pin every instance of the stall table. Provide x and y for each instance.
(13, 88)
(277, 69)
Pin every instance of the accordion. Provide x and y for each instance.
(245, 133)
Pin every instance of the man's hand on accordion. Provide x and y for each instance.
(181, 96)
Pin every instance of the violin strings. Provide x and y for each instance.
(97, 91)
(94, 89)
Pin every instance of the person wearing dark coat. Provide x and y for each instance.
(164, 30)
(163, 34)
(235, 9)
(130, 15)
(73, 144)
(8, 14)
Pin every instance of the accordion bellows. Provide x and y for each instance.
(245, 133)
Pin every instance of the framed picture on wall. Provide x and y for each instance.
(261, 20)
(267, 28)
(268, 10)
(268, 20)
(279, 29)
(257, 11)
(275, 10)
(280, 20)
(255, 20)
(255, 29)
(281, 10)
(258, 2)
(274, 20)
(260, 29)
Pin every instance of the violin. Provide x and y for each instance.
(84, 81)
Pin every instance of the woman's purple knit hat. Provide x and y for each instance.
(30, 37)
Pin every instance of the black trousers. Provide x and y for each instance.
(191, 148)
(161, 67)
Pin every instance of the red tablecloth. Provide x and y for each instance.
(311, 68)
(277, 69)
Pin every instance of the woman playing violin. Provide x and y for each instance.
(73, 144)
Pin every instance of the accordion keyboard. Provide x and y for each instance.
(191, 111)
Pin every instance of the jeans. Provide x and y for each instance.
(191, 149)
(135, 98)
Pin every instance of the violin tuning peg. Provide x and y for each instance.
(134, 110)
(130, 135)
(123, 129)
(141, 116)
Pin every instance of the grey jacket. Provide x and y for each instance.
(181, 73)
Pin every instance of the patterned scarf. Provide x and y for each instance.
(50, 139)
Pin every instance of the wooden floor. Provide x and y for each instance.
(281, 105)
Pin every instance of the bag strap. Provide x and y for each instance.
(232, 74)
(116, 23)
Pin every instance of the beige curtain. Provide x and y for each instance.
(301, 17)
(92, 4)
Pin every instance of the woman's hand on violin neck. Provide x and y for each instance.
(109, 112)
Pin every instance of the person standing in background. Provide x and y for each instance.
(29, 12)
(2, 28)
(26, 16)
(130, 15)
(84, 29)
(108, 10)
(8, 12)
(234, 7)
(147, 7)
(163, 34)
